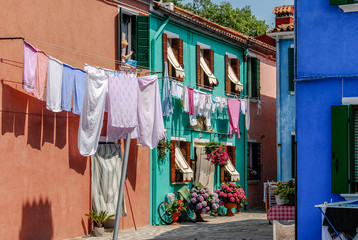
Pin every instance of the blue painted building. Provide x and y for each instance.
(285, 92)
(326, 90)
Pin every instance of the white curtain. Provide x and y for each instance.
(179, 71)
(235, 176)
(106, 176)
(207, 71)
(183, 165)
(232, 76)
(205, 171)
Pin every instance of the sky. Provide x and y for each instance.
(262, 9)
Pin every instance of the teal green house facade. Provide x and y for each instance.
(188, 35)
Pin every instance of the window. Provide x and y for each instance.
(232, 76)
(225, 175)
(180, 162)
(293, 156)
(344, 148)
(253, 161)
(342, 2)
(173, 55)
(253, 75)
(205, 67)
(135, 30)
(291, 69)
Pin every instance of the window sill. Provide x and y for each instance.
(350, 197)
(349, 7)
(180, 183)
(252, 182)
(205, 88)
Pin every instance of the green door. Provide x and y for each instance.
(339, 149)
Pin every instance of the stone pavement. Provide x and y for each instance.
(250, 225)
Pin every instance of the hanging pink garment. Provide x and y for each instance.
(233, 107)
(150, 118)
(41, 75)
(122, 102)
(29, 67)
(191, 101)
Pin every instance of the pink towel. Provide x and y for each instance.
(233, 107)
(41, 75)
(191, 101)
(29, 67)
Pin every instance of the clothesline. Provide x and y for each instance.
(234, 97)
(74, 51)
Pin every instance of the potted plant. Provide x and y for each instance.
(162, 149)
(175, 208)
(203, 200)
(216, 153)
(231, 195)
(99, 218)
(284, 193)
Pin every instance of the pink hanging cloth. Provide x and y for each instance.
(150, 118)
(29, 69)
(191, 101)
(233, 107)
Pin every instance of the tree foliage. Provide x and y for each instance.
(239, 19)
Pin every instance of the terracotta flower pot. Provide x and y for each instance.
(175, 217)
(200, 218)
(238, 208)
(230, 206)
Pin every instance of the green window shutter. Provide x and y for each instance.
(255, 79)
(340, 2)
(119, 36)
(142, 46)
(291, 69)
(134, 38)
(353, 110)
(339, 149)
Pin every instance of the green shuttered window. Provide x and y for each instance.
(341, 2)
(254, 77)
(139, 37)
(291, 69)
(344, 149)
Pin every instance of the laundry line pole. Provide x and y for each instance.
(121, 186)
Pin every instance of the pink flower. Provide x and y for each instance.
(225, 194)
(232, 185)
(222, 203)
(232, 199)
(229, 189)
(235, 195)
(216, 191)
(237, 200)
(229, 195)
(221, 194)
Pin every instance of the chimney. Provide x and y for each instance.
(284, 15)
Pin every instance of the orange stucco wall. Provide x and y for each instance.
(263, 130)
(45, 182)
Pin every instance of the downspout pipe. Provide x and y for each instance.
(155, 38)
(153, 155)
(278, 111)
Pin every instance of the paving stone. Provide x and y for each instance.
(250, 225)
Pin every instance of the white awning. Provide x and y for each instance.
(235, 176)
(182, 164)
(179, 71)
(207, 71)
(232, 76)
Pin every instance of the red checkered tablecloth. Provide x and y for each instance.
(281, 213)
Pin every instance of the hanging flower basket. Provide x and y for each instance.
(216, 153)
(162, 149)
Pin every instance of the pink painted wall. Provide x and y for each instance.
(263, 130)
(46, 183)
